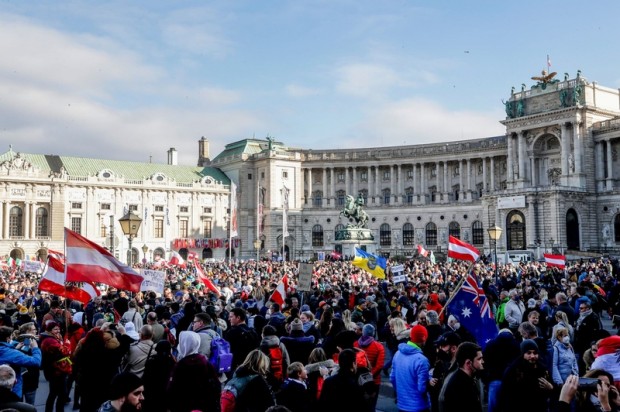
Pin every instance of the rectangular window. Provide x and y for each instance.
(183, 228)
(364, 176)
(76, 225)
(159, 208)
(249, 176)
(133, 208)
(386, 175)
(340, 177)
(76, 205)
(103, 229)
(410, 174)
(284, 175)
(106, 206)
(158, 228)
(206, 228)
(262, 175)
(183, 209)
(207, 210)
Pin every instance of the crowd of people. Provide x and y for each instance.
(328, 348)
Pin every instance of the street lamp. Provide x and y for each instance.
(145, 249)
(130, 224)
(495, 233)
(257, 247)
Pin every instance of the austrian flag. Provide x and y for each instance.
(457, 249)
(279, 294)
(421, 251)
(558, 261)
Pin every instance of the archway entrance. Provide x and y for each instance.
(572, 230)
(515, 231)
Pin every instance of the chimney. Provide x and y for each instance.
(172, 157)
(203, 151)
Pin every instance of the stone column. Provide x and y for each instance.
(438, 178)
(355, 183)
(534, 172)
(332, 185)
(377, 182)
(609, 164)
(446, 186)
(493, 188)
(521, 155)
(577, 143)
(423, 187)
(469, 189)
(399, 195)
(484, 174)
(510, 169)
(461, 173)
(565, 149)
(26, 221)
(600, 164)
(33, 220)
(310, 184)
(325, 196)
(414, 177)
(346, 181)
(7, 212)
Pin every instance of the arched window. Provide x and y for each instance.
(385, 235)
(317, 235)
(408, 235)
(431, 234)
(16, 222)
(454, 229)
(477, 233)
(515, 231)
(572, 229)
(340, 196)
(41, 223)
(386, 196)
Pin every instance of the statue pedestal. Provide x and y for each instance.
(353, 237)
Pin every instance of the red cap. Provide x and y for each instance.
(418, 334)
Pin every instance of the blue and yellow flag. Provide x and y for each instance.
(372, 264)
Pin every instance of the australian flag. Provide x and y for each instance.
(471, 306)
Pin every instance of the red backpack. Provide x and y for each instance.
(277, 363)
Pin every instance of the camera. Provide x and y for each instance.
(587, 384)
(23, 337)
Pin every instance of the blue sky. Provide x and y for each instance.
(129, 79)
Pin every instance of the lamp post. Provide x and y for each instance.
(257, 247)
(145, 249)
(130, 224)
(495, 233)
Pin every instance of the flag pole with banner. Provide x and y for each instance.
(285, 192)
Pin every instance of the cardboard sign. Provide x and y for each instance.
(305, 277)
(399, 278)
(153, 280)
(31, 266)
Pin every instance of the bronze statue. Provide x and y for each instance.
(545, 78)
(353, 208)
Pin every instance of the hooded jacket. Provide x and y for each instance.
(409, 377)
(375, 353)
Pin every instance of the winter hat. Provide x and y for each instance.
(305, 308)
(23, 310)
(531, 303)
(130, 330)
(297, 325)
(528, 345)
(608, 345)
(368, 330)
(123, 384)
(50, 324)
(418, 334)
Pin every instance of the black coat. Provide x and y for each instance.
(342, 393)
(294, 396)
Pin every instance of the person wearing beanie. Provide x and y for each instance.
(526, 375)
(375, 352)
(499, 353)
(409, 374)
(297, 344)
(56, 364)
(126, 394)
(279, 360)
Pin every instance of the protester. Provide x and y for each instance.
(9, 401)
(461, 391)
(126, 394)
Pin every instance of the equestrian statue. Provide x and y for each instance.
(353, 209)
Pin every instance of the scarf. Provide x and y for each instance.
(582, 316)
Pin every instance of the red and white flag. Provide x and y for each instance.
(204, 279)
(176, 260)
(558, 261)
(53, 281)
(422, 251)
(457, 249)
(88, 262)
(279, 294)
(335, 255)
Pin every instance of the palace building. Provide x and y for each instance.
(549, 183)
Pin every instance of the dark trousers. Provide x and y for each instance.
(58, 393)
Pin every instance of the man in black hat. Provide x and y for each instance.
(126, 394)
(446, 345)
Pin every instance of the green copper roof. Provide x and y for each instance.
(82, 166)
(246, 146)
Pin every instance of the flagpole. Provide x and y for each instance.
(230, 219)
(257, 219)
(458, 286)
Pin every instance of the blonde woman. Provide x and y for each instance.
(346, 318)
(562, 322)
(564, 359)
(399, 333)
(253, 392)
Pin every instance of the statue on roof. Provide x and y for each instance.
(545, 77)
(270, 144)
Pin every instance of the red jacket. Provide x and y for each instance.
(375, 353)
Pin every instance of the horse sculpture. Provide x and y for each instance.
(353, 209)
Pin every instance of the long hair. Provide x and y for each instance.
(257, 362)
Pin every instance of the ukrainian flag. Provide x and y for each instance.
(372, 264)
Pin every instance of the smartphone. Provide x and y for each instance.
(588, 383)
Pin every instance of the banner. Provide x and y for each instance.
(32, 266)
(305, 277)
(153, 280)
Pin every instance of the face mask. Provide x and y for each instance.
(517, 298)
(457, 325)
(566, 340)
(443, 355)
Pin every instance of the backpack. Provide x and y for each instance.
(221, 357)
(276, 363)
(124, 321)
(232, 390)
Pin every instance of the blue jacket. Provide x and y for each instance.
(410, 378)
(16, 358)
(564, 363)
